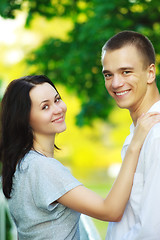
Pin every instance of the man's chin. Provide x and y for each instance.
(123, 106)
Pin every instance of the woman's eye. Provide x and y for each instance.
(57, 99)
(45, 107)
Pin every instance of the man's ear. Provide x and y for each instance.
(151, 73)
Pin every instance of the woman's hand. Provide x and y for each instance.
(144, 123)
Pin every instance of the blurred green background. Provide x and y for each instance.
(63, 39)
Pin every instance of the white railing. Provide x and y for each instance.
(4, 211)
(88, 230)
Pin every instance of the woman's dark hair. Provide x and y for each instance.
(16, 133)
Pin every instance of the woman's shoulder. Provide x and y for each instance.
(35, 159)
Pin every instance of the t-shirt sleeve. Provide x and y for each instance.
(49, 180)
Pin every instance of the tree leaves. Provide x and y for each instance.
(76, 62)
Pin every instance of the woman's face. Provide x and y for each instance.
(47, 116)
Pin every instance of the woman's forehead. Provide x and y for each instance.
(42, 91)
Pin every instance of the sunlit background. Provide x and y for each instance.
(63, 39)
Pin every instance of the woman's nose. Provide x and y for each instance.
(57, 109)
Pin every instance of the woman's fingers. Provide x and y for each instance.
(147, 121)
(144, 124)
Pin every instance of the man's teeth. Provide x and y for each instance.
(121, 93)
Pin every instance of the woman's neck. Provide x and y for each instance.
(45, 147)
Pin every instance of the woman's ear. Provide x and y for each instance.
(151, 73)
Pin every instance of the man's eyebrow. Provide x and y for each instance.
(105, 71)
(124, 68)
(121, 68)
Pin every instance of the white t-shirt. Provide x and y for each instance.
(38, 183)
(141, 219)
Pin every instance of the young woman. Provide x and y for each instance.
(45, 200)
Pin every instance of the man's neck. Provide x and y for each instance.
(145, 105)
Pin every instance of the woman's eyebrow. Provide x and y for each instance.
(57, 95)
(47, 100)
(44, 101)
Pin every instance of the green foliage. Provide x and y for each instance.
(76, 62)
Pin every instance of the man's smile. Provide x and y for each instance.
(121, 93)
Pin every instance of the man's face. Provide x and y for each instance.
(126, 78)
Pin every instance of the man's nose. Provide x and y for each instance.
(117, 81)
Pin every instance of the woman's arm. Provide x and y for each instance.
(112, 207)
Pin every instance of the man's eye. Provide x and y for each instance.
(126, 72)
(108, 75)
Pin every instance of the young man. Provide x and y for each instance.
(128, 60)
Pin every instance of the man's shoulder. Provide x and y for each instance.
(154, 131)
(153, 136)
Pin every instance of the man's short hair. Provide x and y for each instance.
(141, 42)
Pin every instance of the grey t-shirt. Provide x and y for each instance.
(37, 184)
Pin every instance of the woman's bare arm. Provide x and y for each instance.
(112, 207)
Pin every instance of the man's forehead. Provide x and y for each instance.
(126, 54)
